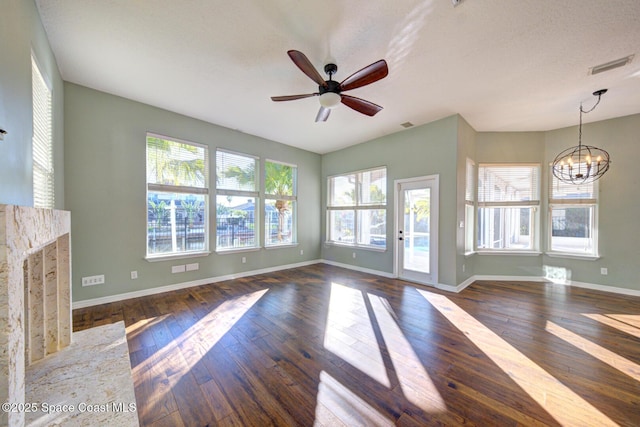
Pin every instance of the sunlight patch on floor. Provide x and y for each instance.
(602, 354)
(544, 388)
(349, 333)
(336, 405)
(627, 323)
(414, 380)
(195, 342)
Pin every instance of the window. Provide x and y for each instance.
(280, 203)
(508, 200)
(177, 196)
(357, 209)
(572, 210)
(469, 199)
(42, 141)
(236, 201)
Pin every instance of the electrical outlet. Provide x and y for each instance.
(604, 271)
(244, 260)
(301, 251)
(93, 280)
(177, 269)
(134, 275)
(193, 267)
(354, 255)
(463, 268)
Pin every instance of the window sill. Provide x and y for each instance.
(468, 254)
(517, 253)
(572, 256)
(363, 247)
(283, 246)
(235, 250)
(170, 257)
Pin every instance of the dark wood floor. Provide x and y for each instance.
(321, 345)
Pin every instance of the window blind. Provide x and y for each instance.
(42, 141)
(508, 184)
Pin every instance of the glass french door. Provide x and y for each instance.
(417, 229)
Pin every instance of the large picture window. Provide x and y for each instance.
(573, 219)
(177, 196)
(508, 202)
(357, 209)
(237, 201)
(280, 203)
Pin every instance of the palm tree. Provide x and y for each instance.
(279, 182)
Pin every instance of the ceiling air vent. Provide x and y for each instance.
(611, 65)
(406, 125)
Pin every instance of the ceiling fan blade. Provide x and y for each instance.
(293, 97)
(369, 74)
(360, 105)
(305, 65)
(323, 114)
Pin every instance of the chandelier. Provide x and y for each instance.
(582, 163)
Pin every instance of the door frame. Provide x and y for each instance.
(434, 181)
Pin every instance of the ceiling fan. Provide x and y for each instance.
(330, 91)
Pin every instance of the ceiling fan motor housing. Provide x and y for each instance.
(330, 86)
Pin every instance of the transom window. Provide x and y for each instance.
(357, 209)
(508, 201)
(177, 196)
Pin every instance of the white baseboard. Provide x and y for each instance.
(449, 288)
(593, 286)
(183, 285)
(360, 269)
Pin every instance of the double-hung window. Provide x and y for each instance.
(357, 208)
(237, 201)
(177, 196)
(280, 203)
(508, 205)
(42, 141)
(573, 218)
(469, 208)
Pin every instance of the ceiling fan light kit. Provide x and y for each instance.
(330, 91)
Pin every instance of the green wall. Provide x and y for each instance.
(619, 208)
(106, 193)
(21, 32)
(425, 150)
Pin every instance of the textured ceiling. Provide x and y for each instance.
(516, 65)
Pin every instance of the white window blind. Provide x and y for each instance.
(176, 165)
(470, 181)
(42, 141)
(236, 171)
(513, 184)
(562, 192)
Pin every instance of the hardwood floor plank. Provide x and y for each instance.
(321, 345)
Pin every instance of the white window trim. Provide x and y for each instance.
(534, 204)
(572, 203)
(241, 193)
(180, 190)
(355, 207)
(293, 198)
(43, 190)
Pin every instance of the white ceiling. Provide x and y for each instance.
(516, 65)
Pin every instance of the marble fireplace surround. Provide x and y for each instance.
(36, 351)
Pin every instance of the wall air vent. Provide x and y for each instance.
(611, 65)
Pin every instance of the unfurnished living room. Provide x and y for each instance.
(338, 213)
